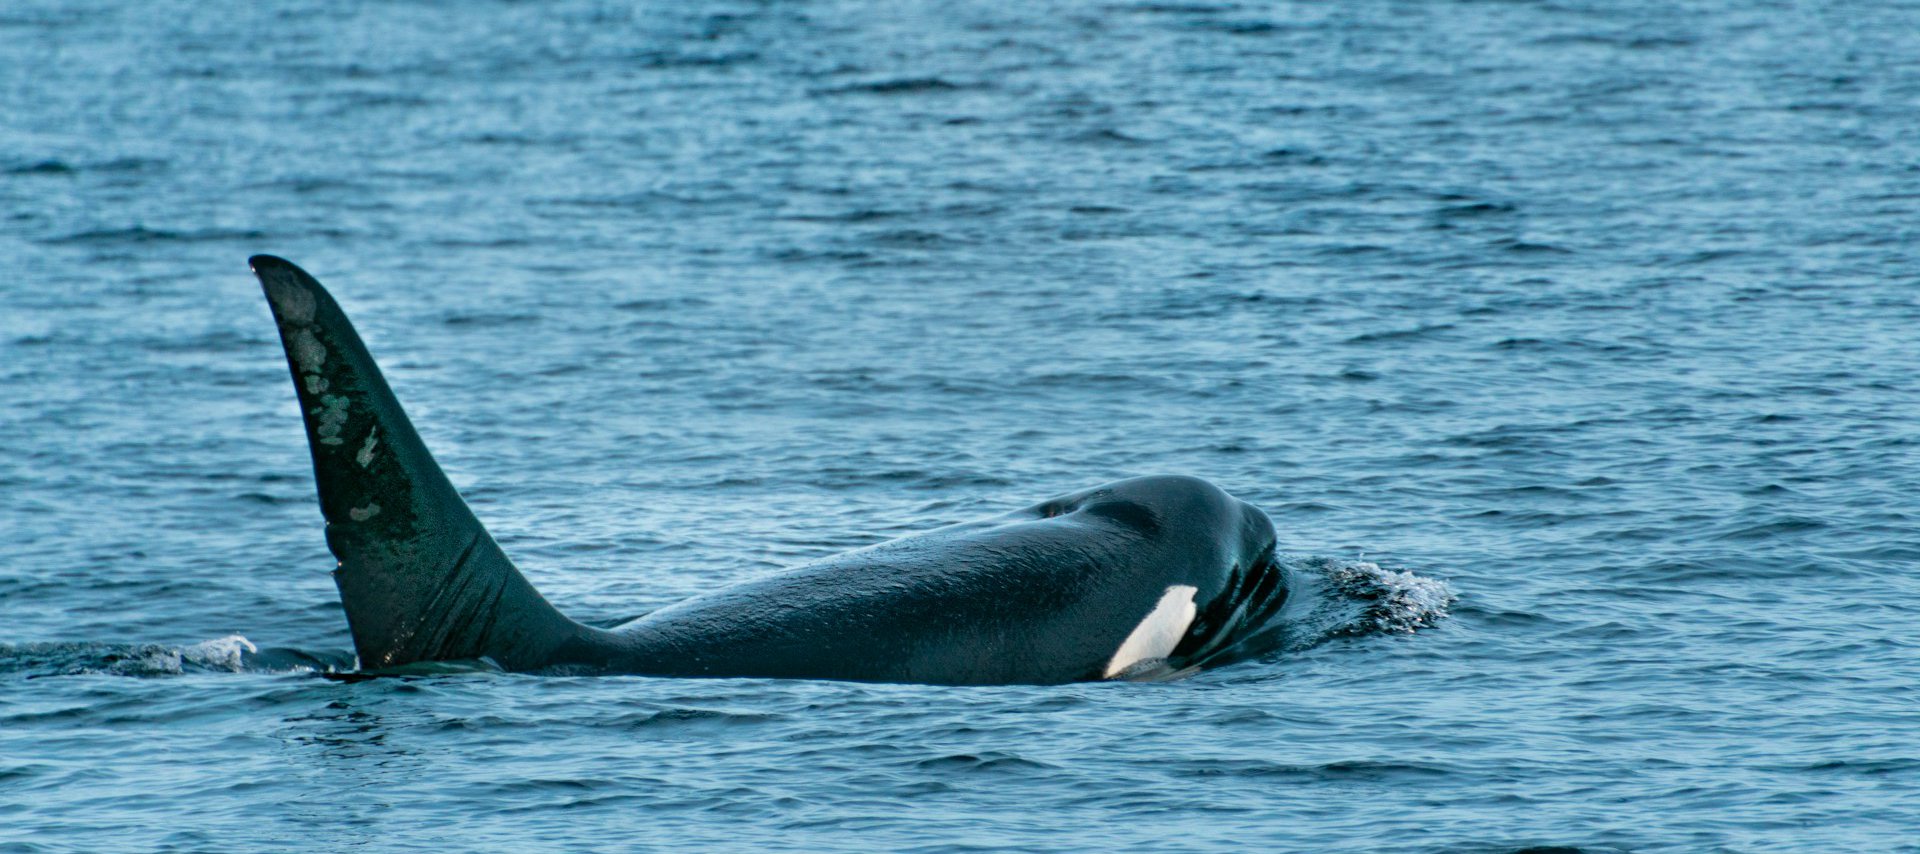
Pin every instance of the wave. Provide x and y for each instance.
(229, 654)
(1385, 601)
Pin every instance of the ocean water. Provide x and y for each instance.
(1570, 345)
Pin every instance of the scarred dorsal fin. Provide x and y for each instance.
(421, 579)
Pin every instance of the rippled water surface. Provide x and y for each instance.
(1598, 319)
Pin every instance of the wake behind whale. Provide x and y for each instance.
(1133, 579)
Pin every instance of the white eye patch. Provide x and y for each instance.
(1160, 632)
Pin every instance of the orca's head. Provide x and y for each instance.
(1178, 512)
(1205, 554)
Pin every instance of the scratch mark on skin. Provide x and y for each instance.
(295, 303)
(365, 457)
(362, 514)
(309, 352)
(332, 415)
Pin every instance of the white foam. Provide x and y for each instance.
(1398, 602)
(221, 653)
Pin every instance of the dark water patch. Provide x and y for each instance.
(1688, 571)
(972, 210)
(1708, 257)
(1352, 250)
(541, 786)
(1109, 136)
(130, 164)
(1352, 770)
(1787, 527)
(1508, 436)
(676, 59)
(1483, 614)
(1892, 554)
(1175, 8)
(589, 806)
(1578, 346)
(520, 140)
(849, 217)
(1088, 379)
(1523, 247)
(264, 498)
(1477, 210)
(1293, 157)
(13, 775)
(911, 238)
(796, 255)
(1398, 335)
(678, 721)
(1304, 507)
(349, 102)
(856, 380)
(1526, 344)
(43, 167)
(986, 763)
(662, 304)
(1870, 768)
(481, 724)
(139, 234)
(1533, 493)
(1242, 27)
(900, 86)
(489, 320)
(1531, 848)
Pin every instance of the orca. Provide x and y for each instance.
(1140, 578)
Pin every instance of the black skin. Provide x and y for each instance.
(1044, 594)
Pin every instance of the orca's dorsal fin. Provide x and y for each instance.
(421, 579)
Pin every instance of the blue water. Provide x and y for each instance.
(1570, 345)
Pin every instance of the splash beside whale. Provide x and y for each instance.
(1146, 576)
